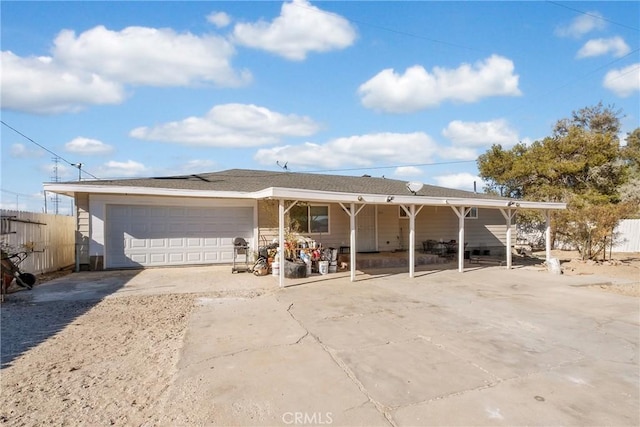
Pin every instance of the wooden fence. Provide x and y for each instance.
(50, 239)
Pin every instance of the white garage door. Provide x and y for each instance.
(172, 235)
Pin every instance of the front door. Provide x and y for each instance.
(366, 229)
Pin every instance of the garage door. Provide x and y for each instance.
(172, 235)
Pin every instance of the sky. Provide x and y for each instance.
(409, 90)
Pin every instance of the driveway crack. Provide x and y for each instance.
(382, 409)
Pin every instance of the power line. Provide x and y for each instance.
(31, 196)
(391, 166)
(390, 30)
(45, 148)
(592, 15)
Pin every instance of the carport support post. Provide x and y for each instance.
(460, 212)
(412, 240)
(508, 215)
(412, 213)
(547, 236)
(281, 240)
(352, 241)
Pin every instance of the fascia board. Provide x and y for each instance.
(505, 204)
(70, 189)
(331, 196)
(298, 194)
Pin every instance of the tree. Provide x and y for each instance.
(630, 191)
(581, 164)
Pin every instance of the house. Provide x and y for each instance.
(193, 219)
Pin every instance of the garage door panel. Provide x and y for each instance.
(157, 235)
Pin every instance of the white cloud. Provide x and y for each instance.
(92, 68)
(21, 151)
(479, 134)
(408, 171)
(128, 169)
(461, 181)
(150, 56)
(219, 19)
(87, 146)
(39, 85)
(625, 81)
(616, 46)
(358, 151)
(230, 125)
(417, 89)
(301, 28)
(582, 25)
(458, 153)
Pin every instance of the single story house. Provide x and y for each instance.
(193, 219)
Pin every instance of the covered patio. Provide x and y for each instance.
(353, 204)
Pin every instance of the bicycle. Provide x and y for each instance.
(11, 271)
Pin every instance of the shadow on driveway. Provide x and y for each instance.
(28, 318)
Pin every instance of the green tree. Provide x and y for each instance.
(581, 164)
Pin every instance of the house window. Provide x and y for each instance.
(472, 214)
(310, 219)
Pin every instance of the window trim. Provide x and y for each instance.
(308, 208)
(472, 214)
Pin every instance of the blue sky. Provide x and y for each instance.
(409, 90)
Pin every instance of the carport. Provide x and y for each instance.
(352, 204)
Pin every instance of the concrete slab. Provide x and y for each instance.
(246, 361)
(486, 347)
(229, 326)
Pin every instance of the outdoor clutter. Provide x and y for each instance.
(302, 258)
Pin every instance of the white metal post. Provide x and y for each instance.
(461, 238)
(508, 217)
(547, 236)
(281, 240)
(352, 241)
(412, 240)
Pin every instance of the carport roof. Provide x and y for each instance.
(246, 183)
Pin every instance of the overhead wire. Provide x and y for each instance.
(47, 149)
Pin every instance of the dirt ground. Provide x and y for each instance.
(622, 272)
(111, 362)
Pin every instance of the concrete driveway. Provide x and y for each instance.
(486, 347)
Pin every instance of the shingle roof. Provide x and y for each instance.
(245, 180)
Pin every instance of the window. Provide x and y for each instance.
(472, 214)
(310, 219)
